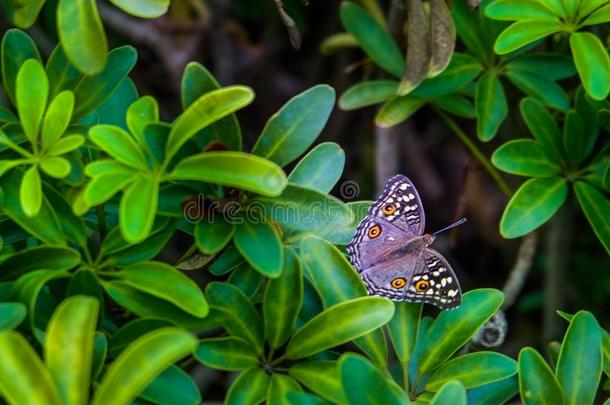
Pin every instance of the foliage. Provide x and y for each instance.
(94, 186)
(474, 86)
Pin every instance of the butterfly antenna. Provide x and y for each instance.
(453, 225)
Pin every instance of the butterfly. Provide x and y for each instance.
(392, 255)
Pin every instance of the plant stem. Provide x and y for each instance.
(405, 376)
(278, 360)
(476, 152)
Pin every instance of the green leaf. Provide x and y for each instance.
(451, 393)
(24, 14)
(282, 301)
(207, 109)
(30, 192)
(118, 144)
(547, 91)
(599, 16)
(576, 141)
(44, 226)
(325, 215)
(279, 386)
(452, 329)
(164, 281)
(138, 208)
(339, 324)
(595, 206)
(321, 258)
(524, 33)
(66, 144)
(213, 234)
(61, 73)
(373, 38)
(131, 331)
(246, 279)
(153, 353)
(363, 383)
(321, 377)
(32, 90)
(498, 392)
(260, 244)
(172, 387)
(38, 257)
(515, 10)
(23, 377)
(462, 69)
(250, 387)
(82, 35)
(548, 65)
(588, 6)
(292, 130)
(57, 118)
(338, 42)
(102, 188)
(239, 316)
(473, 370)
(140, 113)
(491, 106)
(17, 47)
(581, 355)
(11, 315)
(226, 353)
(55, 166)
(197, 81)
(68, 347)
(112, 111)
(524, 157)
(397, 110)
(226, 262)
(534, 203)
(92, 91)
(592, 63)
(235, 169)
(537, 383)
(320, 169)
(369, 93)
(143, 9)
(403, 329)
(543, 126)
(456, 105)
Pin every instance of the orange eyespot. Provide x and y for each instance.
(398, 282)
(389, 209)
(374, 231)
(422, 285)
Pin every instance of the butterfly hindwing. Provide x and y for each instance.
(434, 282)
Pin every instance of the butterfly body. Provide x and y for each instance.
(393, 256)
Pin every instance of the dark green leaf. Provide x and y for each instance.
(38, 257)
(534, 203)
(369, 93)
(260, 244)
(548, 65)
(547, 91)
(320, 169)
(595, 206)
(397, 110)
(452, 329)
(213, 234)
(61, 73)
(93, 91)
(363, 383)
(11, 315)
(491, 106)
(451, 393)
(279, 386)
(339, 324)
(131, 331)
(498, 392)
(292, 130)
(112, 111)
(17, 47)
(172, 387)
(373, 38)
(543, 126)
(461, 71)
(226, 353)
(524, 33)
(282, 301)
(456, 105)
(580, 355)
(320, 376)
(576, 141)
(246, 279)
(538, 384)
(403, 329)
(239, 316)
(228, 261)
(250, 387)
(524, 157)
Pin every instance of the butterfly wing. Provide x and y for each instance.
(434, 282)
(392, 220)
